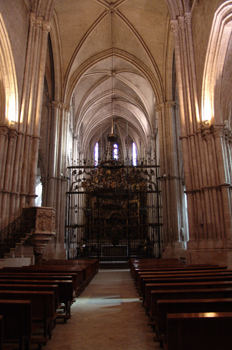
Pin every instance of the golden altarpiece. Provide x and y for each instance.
(114, 210)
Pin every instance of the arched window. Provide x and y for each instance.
(134, 154)
(38, 192)
(115, 151)
(96, 153)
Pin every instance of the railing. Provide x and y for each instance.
(18, 228)
(36, 222)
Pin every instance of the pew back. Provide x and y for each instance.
(201, 331)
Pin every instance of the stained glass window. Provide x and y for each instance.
(96, 153)
(115, 151)
(134, 154)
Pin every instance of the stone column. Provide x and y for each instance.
(57, 179)
(15, 179)
(24, 171)
(170, 177)
(12, 136)
(223, 181)
(53, 153)
(3, 150)
(38, 107)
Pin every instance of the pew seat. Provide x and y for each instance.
(188, 285)
(165, 307)
(42, 308)
(201, 331)
(213, 293)
(17, 323)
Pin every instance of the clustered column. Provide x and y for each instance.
(206, 153)
(19, 141)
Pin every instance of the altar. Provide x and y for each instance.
(114, 250)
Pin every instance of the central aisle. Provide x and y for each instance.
(108, 315)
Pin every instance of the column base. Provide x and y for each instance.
(54, 251)
(174, 250)
(219, 257)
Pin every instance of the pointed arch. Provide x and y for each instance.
(214, 64)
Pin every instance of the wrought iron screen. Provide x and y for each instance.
(114, 212)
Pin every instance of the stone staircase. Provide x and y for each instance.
(13, 236)
(8, 250)
(36, 225)
(114, 265)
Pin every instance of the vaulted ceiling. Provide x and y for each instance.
(114, 58)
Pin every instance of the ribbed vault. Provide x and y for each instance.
(113, 68)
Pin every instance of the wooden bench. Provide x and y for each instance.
(64, 287)
(90, 265)
(212, 293)
(178, 286)
(4, 346)
(17, 325)
(180, 280)
(84, 271)
(143, 278)
(42, 308)
(34, 287)
(201, 331)
(76, 280)
(180, 269)
(165, 307)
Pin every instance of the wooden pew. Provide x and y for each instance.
(91, 264)
(201, 331)
(154, 262)
(181, 269)
(42, 308)
(77, 280)
(34, 287)
(4, 346)
(165, 307)
(17, 325)
(178, 280)
(178, 286)
(212, 293)
(64, 287)
(143, 278)
(84, 268)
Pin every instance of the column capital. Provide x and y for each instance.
(39, 22)
(4, 131)
(174, 25)
(217, 130)
(32, 18)
(165, 104)
(181, 22)
(206, 134)
(60, 105)
(13, 134)
(170, 104)
(46, 26)
(159, 107)
(65, 106)
(188, 18)
(55, 104)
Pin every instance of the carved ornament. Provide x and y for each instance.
(217, 130)
(3, 131)
(181, 22)
(188, 18)
(174, 25)
(45, 220)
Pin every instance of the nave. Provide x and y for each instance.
(108, 315)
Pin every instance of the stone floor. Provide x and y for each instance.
(108, 315)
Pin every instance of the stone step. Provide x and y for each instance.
(114, 265)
